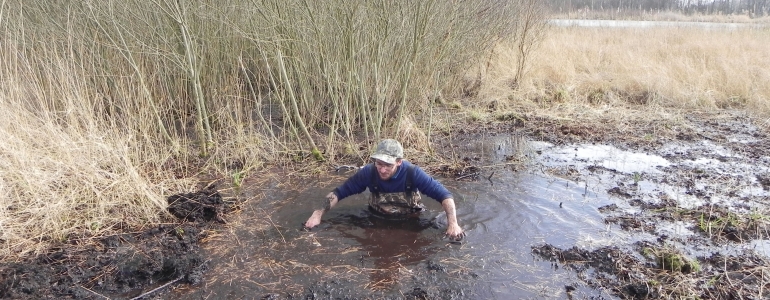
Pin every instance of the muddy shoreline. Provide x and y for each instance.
(728, 206)
(136, 264)
(719, 164)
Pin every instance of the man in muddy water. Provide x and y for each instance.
(395, 185)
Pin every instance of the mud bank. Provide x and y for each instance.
(125, 266)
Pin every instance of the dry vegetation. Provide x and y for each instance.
(587, 73)
(111, 106)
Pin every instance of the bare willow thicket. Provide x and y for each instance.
(109, 105)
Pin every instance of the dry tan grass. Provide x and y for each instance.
(592, 70)
(62, 174)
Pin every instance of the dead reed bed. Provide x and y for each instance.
(595, 73)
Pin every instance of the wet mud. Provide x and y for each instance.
(132, 265)
(552, 210)
(699, 218)
(688, 200)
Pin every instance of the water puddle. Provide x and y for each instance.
(566, 196)
(649, 24)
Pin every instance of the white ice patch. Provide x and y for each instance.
(682, 199)
(675, 229)
(762, 247)
(609, 157)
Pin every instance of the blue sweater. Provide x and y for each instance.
(421, 182)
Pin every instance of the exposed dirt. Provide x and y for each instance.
(120, 266)
(654, 272)
(133, 264)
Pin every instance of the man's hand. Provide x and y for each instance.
(314, 219)
(453, 231)
(328, 202)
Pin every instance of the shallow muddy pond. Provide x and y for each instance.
(525, 195)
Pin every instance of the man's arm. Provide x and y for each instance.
(452, 229)
(353, 185)
(325, 205)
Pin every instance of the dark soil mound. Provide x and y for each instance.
(205, 205)
(123, 265)
(656, 271)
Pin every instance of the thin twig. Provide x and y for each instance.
(467, 175)
(276, 227)
(95, 293)
(497, 165)
(157, 288)
(165, 285)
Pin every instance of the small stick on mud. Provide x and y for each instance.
(467, 175)
(95, 293)
(276, 227)
(163, 286)
(490, 178)
(157, 288)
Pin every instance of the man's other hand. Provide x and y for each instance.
(314, 219)
(454, 232)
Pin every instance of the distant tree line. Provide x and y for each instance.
(754, 8)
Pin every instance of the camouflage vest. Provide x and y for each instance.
(395, 204)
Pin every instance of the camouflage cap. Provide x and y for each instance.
(388, 150)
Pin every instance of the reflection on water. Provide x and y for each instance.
(388, 245)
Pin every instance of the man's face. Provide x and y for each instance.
(386, 170)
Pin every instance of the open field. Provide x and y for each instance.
(589, 71)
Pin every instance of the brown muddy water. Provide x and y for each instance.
(527, 197)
